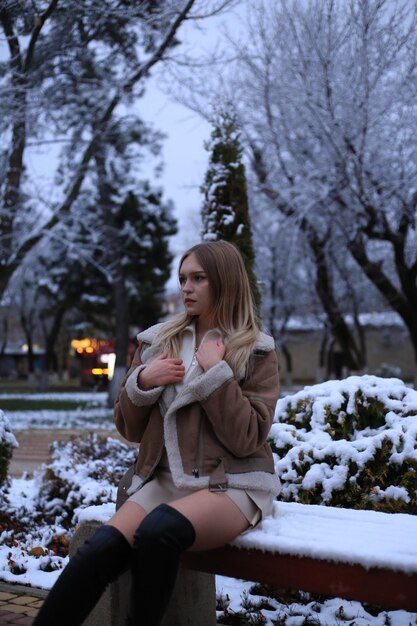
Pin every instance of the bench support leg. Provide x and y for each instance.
(193, 601)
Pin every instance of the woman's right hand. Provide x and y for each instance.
(161, 371)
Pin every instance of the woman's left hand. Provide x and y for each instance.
(210, 352)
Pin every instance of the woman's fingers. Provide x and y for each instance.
(162, 371)
(210, 352)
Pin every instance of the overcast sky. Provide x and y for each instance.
(184, 154)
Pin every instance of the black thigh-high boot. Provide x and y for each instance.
(98, 562)
(159, 541)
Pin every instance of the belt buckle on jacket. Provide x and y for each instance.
(218, 479)
(218, 487)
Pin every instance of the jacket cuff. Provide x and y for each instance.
(204, 385)
(139, 396)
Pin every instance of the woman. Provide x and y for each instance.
(199, 398)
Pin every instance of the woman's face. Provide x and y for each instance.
(195, 287)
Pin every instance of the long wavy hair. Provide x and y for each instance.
(233, 311)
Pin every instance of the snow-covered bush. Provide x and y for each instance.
(83, 472)
(350, 443)
(7, 443)
(37, 517)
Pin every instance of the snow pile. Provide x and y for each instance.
(350, 443)
(93, 412)
(247, 603)
(32, 552)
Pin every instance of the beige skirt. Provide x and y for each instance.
(253, 503)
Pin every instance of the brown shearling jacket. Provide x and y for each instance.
(214, 430)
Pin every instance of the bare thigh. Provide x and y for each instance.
(127, 519)
(215, 517)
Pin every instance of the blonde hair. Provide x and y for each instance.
(233, 310)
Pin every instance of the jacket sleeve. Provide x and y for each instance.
(241, 414)
(133, 404)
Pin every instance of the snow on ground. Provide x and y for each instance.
(29, 562)
(77, 418)
(95, 415)
(331, 612)
(74, 396)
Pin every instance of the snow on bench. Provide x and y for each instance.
(366, 538)
(357, 555)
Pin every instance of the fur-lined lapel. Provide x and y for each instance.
(187, 395)
(264, 342)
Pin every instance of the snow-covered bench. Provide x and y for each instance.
(357, 555)
(360, 555)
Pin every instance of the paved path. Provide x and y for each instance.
(19, 605)
(33, 449)
(34, 445)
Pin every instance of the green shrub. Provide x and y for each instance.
(350, 443)
(7, 443)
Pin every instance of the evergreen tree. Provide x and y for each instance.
(225, 212)
(145, 224)
(135, 242)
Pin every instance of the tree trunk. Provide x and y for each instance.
(5, 335)
(122, 337)
(288, 365)
(28, 332)
(51, 337)
(18, 133)
(405, 302)
(321, 368)
(353, 354)
(118, 281)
